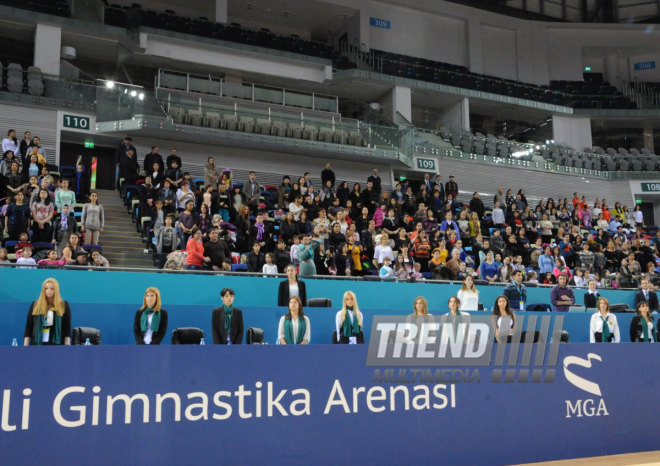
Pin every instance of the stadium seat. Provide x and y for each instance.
(254, 336)
(187, 336)
(80, 335)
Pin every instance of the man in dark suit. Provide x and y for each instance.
(440, 187)
(645, 294)
(227, 321)
(328, 175)
(451, 187)
(122, 150)
(151, 158)
(375, 181)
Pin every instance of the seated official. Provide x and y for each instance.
(291, 287)
(294, 327)
(603, 327)
(642, 326)
(227, 321)
(150, 323)
(49, 318)
(348, 321)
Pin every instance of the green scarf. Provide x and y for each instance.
(605, 336)
(228, 313)
(288, 331)
(38, 331)
(349, 328)
(144, 320)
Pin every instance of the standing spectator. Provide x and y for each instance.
(328, 175)
(477, 205)
(195, 258)
(375, 181)
(80, 184)
(283, 193)
(174, 175)
(211, 173)
(562, 296)
(93, 219)
(17, 217)
(451, 187)
(128, 167)
(306, 255)
(64, 196)
(122, 151)
(603, 327)
(25, 144)
(252, 191)
(438, 186)
(370, 197)
(516, 291)
(647, 295)
(173, 157)
(227, 321)
(42, 214)
(255, 259)
(586, 258)
(151, 158)
(65, 226)
(10, 142)
(217, 251)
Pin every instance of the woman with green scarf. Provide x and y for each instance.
(294, 328)
(150, 324)
(456, 317)
(603, 327)
(642, 328)
(227, 321)
(49, 318)
(348, 321)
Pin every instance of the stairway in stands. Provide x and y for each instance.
(122, 244)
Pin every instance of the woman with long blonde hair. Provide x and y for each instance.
(49, 318)
(150, 323)
(348, 321)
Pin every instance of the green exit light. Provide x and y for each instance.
(89, 145)
(638, 201)
(402, 178)
(587, 68)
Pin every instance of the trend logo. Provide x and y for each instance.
(580, 382)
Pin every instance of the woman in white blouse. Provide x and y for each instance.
(604, 327)
(294, 328)
(468, 295)
(383, 250)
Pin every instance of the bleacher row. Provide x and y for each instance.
(321, 131)
(135, 16)
(576, 94)
(51, 7)
(596, 158)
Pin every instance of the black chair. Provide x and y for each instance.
(538, 307)
(360, 337)
(319, 302)
(255, 336)
(564, 338)
(536, 339)
(80, 334)
(187, 336)
(620, 308)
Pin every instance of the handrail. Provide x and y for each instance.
(223, 83)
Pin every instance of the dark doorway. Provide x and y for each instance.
(105, 171)
(647, 210)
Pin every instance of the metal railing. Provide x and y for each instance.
(213, 85)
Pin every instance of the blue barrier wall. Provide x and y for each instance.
(279, 405)
(108, 301)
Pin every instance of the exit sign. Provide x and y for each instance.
(426, 164)
(76, 122)
(89, 145)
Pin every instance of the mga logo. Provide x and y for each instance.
(585, 407)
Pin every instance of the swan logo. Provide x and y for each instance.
(585, 407)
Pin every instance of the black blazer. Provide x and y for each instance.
(653, 300)
(636, 330)
(31, 324)
(590, 300)
(283, 293)
(156, 337)
(218, 326)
